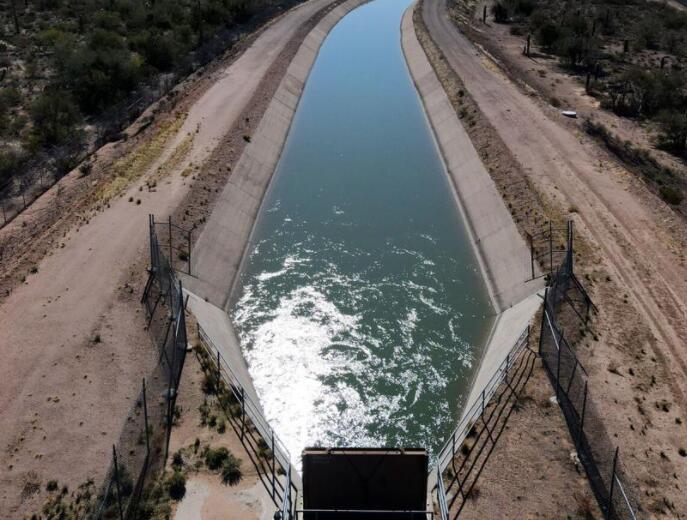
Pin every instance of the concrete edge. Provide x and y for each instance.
(497, 242)
(218, 262)
(501, 252)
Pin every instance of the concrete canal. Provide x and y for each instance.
(361, 308)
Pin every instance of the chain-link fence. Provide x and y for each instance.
(565, 304)
(143, 445)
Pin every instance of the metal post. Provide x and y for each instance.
(484, 14)
(570, 245)
(171, 258)
(550, 249)
(610, 494)
(219, 374)
(558, 373)
(243, 412)
(584, 408)
(189, 251)
(531, 253)
(543, 323)
(116, 476)
(273, 464)
(145, 417)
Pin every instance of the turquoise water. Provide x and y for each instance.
(361, 308)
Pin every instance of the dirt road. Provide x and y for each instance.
(73, 342)
(635, 230)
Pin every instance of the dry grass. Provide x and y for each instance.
(137, 162)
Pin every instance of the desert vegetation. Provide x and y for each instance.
(74, 72)
(631, 56)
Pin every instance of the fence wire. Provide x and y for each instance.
(565, 304)
(143, 445)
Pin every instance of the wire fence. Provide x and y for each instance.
(143, 446)
(466, 452)
(565, 304)
(267, 452)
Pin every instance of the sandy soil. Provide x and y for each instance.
(631, 257)
(534, 451)
(206, 497)
(68, 275)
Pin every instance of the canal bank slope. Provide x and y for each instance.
(500, 249)
(220, 248)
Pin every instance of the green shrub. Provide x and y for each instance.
(176, 485)
(231, 470)
(215, 457)
(672, 195)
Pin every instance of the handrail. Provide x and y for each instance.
(249, 407)
(441, 493)
(469, 418)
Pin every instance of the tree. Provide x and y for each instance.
(54, 115)
(673, 127)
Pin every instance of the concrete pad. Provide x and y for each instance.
(508, 327)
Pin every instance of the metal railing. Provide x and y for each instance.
(471, 416)
(315, 514)
(248, 420)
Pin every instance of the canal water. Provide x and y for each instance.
(361, 308)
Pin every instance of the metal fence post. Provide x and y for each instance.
(145, 417)
(274, 488)
(610, 494)
(116, 476)
(171, 257)
(570, 245)
(543, 322)
(243, 412)
(558, 373)
(531, 239)
(189, 250)
(219, 373)
(584, 408)
(550, 249)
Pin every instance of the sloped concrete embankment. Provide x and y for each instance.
(502, 253)
(221, 246)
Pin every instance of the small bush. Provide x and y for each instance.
(177, 460)
(231, 470)
(176, 485)
(51, 486)
(672, 195)
(215, 457)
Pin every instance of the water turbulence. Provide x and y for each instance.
(361, 308)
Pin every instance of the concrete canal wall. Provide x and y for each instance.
(502, 253)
